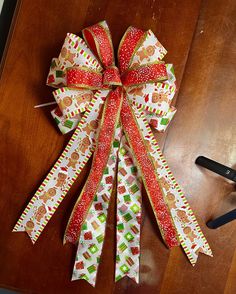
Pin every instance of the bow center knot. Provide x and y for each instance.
(84, 77)
(111, 76)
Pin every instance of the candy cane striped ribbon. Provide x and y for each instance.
(63, 174)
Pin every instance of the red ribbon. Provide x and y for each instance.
(105, 138)
(98, 39)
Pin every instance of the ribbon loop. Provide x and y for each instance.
(129, 44)
(98, 38)
(149, 73)
(82, 77)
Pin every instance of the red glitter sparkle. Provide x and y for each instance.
(105, 139)
(148, 174)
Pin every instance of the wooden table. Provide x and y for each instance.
(201, 42)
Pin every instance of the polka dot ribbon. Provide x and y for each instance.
(94, 97)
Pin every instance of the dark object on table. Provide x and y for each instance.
(222, 220)
(6, 15)
(226, 172)
(217, 168)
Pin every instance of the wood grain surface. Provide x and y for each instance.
(201, 42)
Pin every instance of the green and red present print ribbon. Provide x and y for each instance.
(111, 109)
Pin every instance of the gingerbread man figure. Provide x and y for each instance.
(182, 216)
(166, 185)
(29, 227)
(137, 91)
(67, 55)
(40, 213)
(65, 102)
(73, 160)
(150, 50)
(189, 233)
(85, 143)
(86, 97)
(141, 54)
(61, 179)
(48, 195)
(91, 127)
(171, 200)
(146, 52)
(159, 97)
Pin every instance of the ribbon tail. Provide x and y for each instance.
(93, 229)
(148, 172)
(190, 235)
(63, 174)
(128, 215)
(106, 134)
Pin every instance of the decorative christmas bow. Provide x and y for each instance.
(111, 109)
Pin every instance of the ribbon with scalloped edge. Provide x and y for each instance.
(93, 95)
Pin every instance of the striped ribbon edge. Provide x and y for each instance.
(50, 174)
(179, 190)
(78, 110)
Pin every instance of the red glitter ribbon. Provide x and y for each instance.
(99, 40)
(101, 155)
(148, 172)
